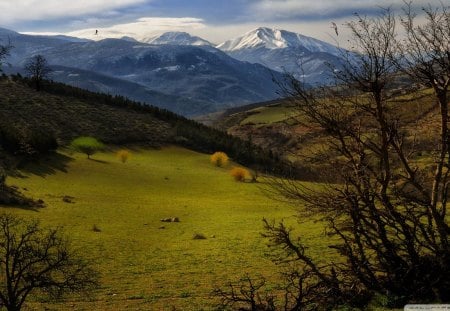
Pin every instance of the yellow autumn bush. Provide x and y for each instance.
(239, 173)
(123, 155)
(219, 159)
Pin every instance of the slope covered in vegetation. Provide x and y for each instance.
(279, 126)
(63, 113)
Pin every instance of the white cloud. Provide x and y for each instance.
(24, 10)
(290, 8)
(142, 28)
(319, 28)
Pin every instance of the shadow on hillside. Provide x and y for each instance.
(11, 197)
(19, 206)
(47, 165)
(98, 161)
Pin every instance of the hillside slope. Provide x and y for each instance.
(68, 117)
(278, 126)
(66, 112)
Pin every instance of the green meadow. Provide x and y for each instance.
(270, 114)
(146, 264)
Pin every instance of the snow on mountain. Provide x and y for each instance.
(307, 58)
(176, 38)
(269, 38)
(172, 37)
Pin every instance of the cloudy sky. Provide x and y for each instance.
(214, 20)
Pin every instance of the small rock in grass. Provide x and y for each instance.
(68, 199)
(199, 236)
(171, 219)
(95, 228)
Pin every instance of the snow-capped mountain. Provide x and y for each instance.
(270, 38)
(171, 37)
(176, 38)
(286, 51)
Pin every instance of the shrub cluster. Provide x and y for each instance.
(221, 159)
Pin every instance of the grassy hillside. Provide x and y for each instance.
(279, 126)
(147, 264)
(68, 117)
(67, 112)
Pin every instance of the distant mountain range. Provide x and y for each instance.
(180, 72)
(202, 78)
(305, 57)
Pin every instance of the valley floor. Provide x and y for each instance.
(147, 264)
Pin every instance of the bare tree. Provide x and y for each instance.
(425, 57)
(246, 295)
(38, 70)
(387, 214)
(33, 260)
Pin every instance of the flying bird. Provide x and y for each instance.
(334, 26)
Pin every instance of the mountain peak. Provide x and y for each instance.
(272, 38)
(176, 38)
(260, 37)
